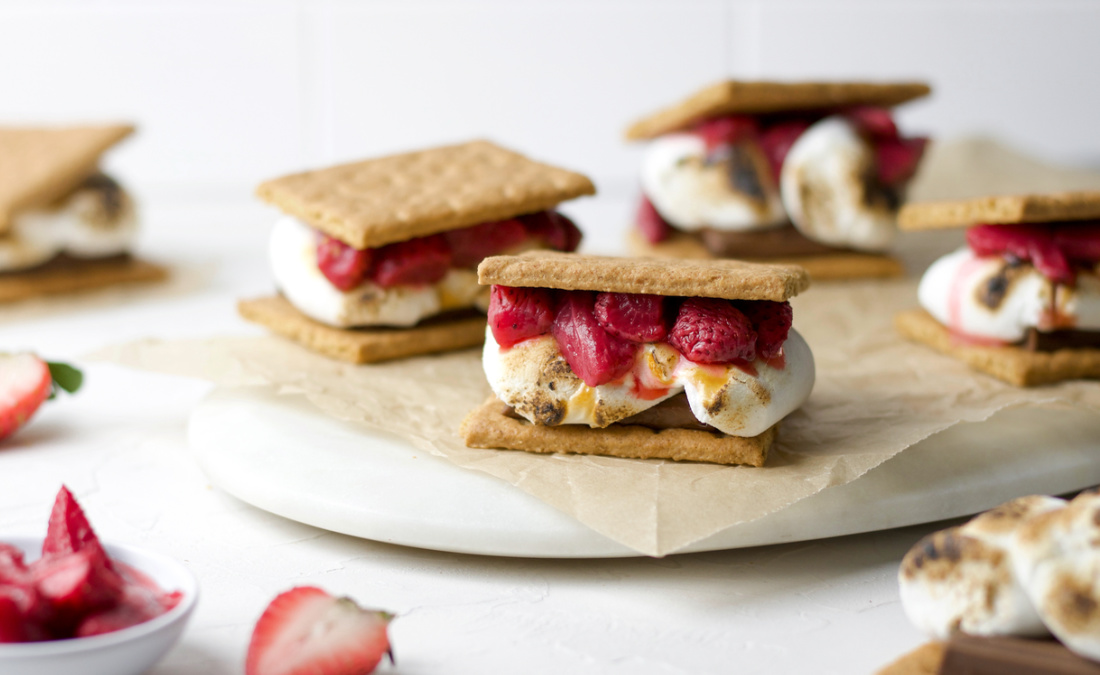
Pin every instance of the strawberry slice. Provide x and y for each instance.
(776, 141)
(471, 245)
(75, 585)
(1079, 241)
(632, 316)
(69, 530)
(306, 631)
(516, 314)
(896, 159)
(1034, 243)
(876, 122)
(25, 382)
(13, 626)
(718, 131)
(136, 604)
(709, 330)
(772, 322)
(424, 260)
(650, 224)
(345, 267)
(553, 229)
(595, 355)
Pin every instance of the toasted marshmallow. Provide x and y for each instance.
(293, 254)
(733, 190)
(990, 298)
(826, 192)
(1057, 560)
(97, 220)
(536, 381)
(962, 578)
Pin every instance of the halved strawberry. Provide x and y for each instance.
(726, 130)
(345, 267)
(69, 530)
(1034, 243)
(516, 314)
(632, 316)
(776, 141)
(772, 322)
(471, 245)
(650, 223)
(595, 355)
(554, 229)
(876, 122)
(709, 330)
(306, 631)
(25, 382)
(896, 159)
(424, 260)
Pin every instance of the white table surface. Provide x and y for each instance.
(828, 606)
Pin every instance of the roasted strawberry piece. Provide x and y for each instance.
(772, 322)
(69, 530)
(471, 245)
(776, 141)
(878, 123)
(709, 330)
(896, 159)
(650, 224)
(345, 267)
(516, 314)
(25, 383)
(1034, 243)
(727, 130)
(424, 260)
(1079, 242)
(595, 355)
(632, 316)
(306, 631)
(553, 229)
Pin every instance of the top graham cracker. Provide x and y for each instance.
(1003, 209)
(729, 279)
(389, 199)
(39, 165)
(742, 97)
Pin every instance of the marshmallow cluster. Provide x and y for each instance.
(1027, 568)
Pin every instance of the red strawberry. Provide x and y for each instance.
(471, 245)
(554, 229)
(595, 355)
(878, 123)
(69, 530)
(896, 159)
(1035, 243)
(136, 604)
(345, 267)
(709, 330)
(632, 316)
(75, 585)
(726, 130)
(516, 314)
(11, 562)
(13, 626)
(777, 139)
(772, 321)
(650, 224)
(424, 260)
(25, 382)
(1080, 242)
(306, 631)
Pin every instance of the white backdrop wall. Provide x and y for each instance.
(228, 92)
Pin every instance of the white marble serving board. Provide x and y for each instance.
(281, 454)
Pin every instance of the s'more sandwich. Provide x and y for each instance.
(803, 172)
(1021, 300)
(642, 358)
(65, 226)
(377, 259)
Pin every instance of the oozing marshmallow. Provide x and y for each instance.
(731, 192)
(292, 251)
(97, 220)
(989, 298)
(826, 192)
(534, 378)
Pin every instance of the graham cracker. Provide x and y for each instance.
(381, 201)
(41, 164)
(489, 426)
(924, 660)
(745, 97)
(363, 345)
(72, 275)
(830, 267)
(1014, 365)
(1000, 209)
(730, 279)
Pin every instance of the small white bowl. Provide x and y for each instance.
(129, 651)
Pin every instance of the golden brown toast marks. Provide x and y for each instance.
(41, 164)
(363, 345)
(1014, 365)
(831, 267)
(741, 97)
(489, 426)
(389, 199)
(1002, 209)
(730, 279)
(924, 660)
(74, 275)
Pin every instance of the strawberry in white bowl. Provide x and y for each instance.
(26, 382)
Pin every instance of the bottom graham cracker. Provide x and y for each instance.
(1015, 365)
(364, 345)
(832, 267)
(489, 426)
(924, 660)
(74, 275)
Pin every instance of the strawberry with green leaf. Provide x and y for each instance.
(25, 382)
